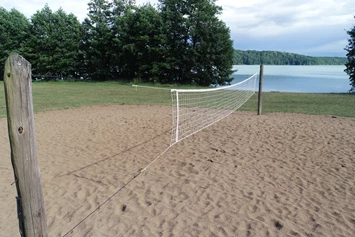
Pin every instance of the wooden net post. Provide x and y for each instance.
(18, 93)
(260, 88)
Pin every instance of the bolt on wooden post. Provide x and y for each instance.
(18, 93)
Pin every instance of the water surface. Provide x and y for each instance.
(304, 79)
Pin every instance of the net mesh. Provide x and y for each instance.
(194, 110)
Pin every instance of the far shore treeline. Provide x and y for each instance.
(174, 42)
(253, 57)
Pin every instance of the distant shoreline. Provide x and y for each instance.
(254, 57)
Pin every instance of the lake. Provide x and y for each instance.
(304, 79)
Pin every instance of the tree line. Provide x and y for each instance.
(176, 41)
(253, 57)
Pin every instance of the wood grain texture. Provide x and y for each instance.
(261, 75)
(18, 93)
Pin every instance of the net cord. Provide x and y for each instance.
(214, 89)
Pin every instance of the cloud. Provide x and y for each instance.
(290, 25)
(331, 47)
(30, 7)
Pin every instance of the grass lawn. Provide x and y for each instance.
(305, 103)
(64, 95)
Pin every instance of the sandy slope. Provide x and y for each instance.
(247, 175)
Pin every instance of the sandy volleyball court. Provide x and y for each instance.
(247, 175)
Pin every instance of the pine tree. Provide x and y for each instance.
(53, 44)
(68, 37)
(98, 42)
(14, 30)
(123, 51)
(199, 47)
(142, 40)
(174, 15)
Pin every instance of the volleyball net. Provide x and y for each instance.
(196, 109)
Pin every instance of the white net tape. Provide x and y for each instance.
(194, 110)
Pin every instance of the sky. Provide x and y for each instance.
(309, 27)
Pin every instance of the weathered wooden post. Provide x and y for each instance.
(18, 93)
(261, 75)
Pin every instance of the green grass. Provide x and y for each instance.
(64, 95)
(305, 103)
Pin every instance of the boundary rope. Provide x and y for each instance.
(146, 167)
(97, 208)
(151, 87)
(125, 185)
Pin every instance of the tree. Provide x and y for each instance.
(53, 45)
(98, 41)
(142, 44)
(14, 30)
(350, 48)
(123, 51)
(198, 43)
(212, 47)
(68, 37)
(253, 57)
(176, 30)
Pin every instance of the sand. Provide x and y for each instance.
(247, 175)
